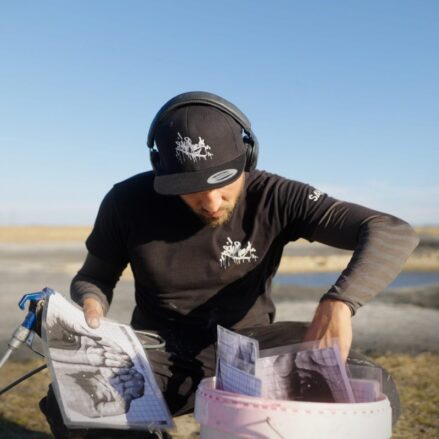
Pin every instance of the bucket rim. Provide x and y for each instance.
(206, 388)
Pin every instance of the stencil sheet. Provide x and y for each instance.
(101, 377)
(237, 356)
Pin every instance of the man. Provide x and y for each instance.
(204, 234)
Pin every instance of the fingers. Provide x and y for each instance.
(98, 357)
(332, 323)
(129, 383)
(93, 312)
(115, 356)
(345, 346)
(112, 360)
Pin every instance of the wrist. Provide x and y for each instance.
(338, 303)
(334, 305)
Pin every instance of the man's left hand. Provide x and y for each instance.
(332, 319)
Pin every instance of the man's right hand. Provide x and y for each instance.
(93, 312)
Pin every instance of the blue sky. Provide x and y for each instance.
(341, 94)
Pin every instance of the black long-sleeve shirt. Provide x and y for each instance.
(187, 273)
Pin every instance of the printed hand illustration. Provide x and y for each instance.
(90, 349)
(105, 391)
(332, 319)
(101, 353)
(100, 377)
(128, 382)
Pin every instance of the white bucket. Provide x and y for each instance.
(224, 415)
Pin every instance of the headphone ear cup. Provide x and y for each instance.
(251, 158)
(154, 156)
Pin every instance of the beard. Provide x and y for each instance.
(227, 210)
(216, 222)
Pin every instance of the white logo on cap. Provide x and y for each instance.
(221, 176)
(192, 151)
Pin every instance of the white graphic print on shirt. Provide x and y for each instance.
(233, 252)
(192, 151)
(315, 195)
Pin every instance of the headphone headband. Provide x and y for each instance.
(200, 98)
(208, 99)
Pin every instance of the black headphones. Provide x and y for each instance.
(204, 98)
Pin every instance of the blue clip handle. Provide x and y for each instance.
(29, 321)
(35, 297)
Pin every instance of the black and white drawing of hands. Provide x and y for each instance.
(100, 375)
(88, 348)
(104, 391)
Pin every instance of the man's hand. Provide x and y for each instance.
(332, 319)
(93, 312)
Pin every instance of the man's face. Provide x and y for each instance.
(215, 207)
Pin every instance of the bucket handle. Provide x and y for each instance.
(269, 423)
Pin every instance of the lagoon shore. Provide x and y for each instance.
(403, 320)
(394, 324)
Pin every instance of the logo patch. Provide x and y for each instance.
(192, 151)
(221, 176)
(235, 253)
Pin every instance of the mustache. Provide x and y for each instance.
(215, 222)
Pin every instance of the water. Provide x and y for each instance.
(405, 279)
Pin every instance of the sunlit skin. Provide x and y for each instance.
(215, 207)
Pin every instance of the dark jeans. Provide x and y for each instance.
(186, 360)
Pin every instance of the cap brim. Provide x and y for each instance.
(200, 181)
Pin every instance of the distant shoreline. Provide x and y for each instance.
(333, 263)
(80, 233)
(425, 258)
(29, 234)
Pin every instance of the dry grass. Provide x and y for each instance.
(417, 378)
(80, 233)
(20, 416)
(29, 234)
(428, 230)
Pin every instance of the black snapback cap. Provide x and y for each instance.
(200, 148)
